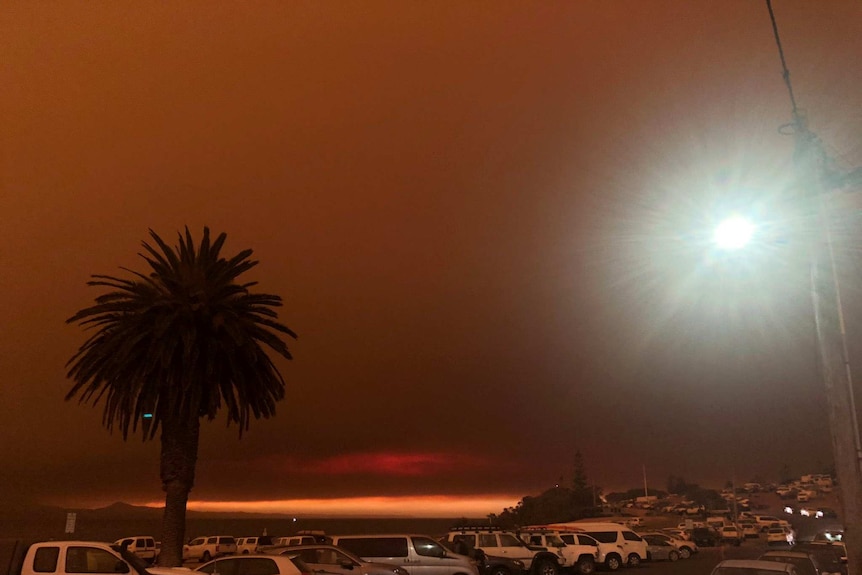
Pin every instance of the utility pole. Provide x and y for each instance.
(817, 182)
(834, 358)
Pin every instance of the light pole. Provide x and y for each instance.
(817, 181)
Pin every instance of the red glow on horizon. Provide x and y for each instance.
(388, 463)
(417, 506)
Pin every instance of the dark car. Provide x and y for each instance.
(806, 563)
(487, 564)
(831, 556)
(704, 537)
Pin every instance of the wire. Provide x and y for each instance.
(785, 72)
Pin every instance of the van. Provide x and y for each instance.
(143, 546)
(416, 554)
(632, 548)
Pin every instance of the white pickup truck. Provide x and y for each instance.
(19, 557)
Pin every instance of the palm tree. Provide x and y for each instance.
(171, 347)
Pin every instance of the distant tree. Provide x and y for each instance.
(579, 477)
(676, 485)
(785, 475)
(173, 346)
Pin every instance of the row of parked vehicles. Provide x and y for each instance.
(578, 548)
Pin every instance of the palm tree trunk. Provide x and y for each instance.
(178, 459)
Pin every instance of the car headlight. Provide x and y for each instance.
(400, 571)
(518, 563)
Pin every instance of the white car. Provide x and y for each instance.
(270, 564)
(685, 548)
(251, 545)
(749, 529)
(730, 534)
(143, 546)
(205, 548)
(334, 560)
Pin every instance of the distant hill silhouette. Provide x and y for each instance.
(121, 520)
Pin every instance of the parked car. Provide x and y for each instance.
(580, 558)
(338, 561)
(143, 546)
(753, 567)
(417, 554)
(487, 564)
(495, 541)
(749, 529)
(252, 545)
(686, 548)
(608, 553)
(631, 549)
(242, 564)
(704, 537)
(206, 548)
(659, 549)
(831, 556)
(730, 534)
(806, 563)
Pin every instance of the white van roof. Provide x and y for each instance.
(588, 526)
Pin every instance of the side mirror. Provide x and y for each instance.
(121, 567)
(346, 564)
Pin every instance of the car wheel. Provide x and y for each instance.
(245, 551)
(634, 560)
(586, 566)
(613, 562)
(499, 571)
(206, 557)
(547, 568)
(685, 553)
(673, 556)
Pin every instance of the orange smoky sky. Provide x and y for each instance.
(483, 218)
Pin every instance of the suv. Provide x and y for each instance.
(579, 556)
(495, 541)
(142, 545)
(730, 534)
(205, 548)
(246, 545)
(608, 554)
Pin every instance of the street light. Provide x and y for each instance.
(733, 233)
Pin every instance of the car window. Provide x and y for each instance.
(604, 536)
(375, 546)
(45, 560)
(487, 540)
(587, 540)
(90, 560)
(226, 541)
(198, 541)
(631, 536)
(509, 540)
(257, 566)
(428, 547)
(212, 540)
(229, 566)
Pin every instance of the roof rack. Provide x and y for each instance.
(487, 528)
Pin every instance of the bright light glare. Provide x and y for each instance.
(733, 233)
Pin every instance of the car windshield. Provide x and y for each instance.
(554, 541)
